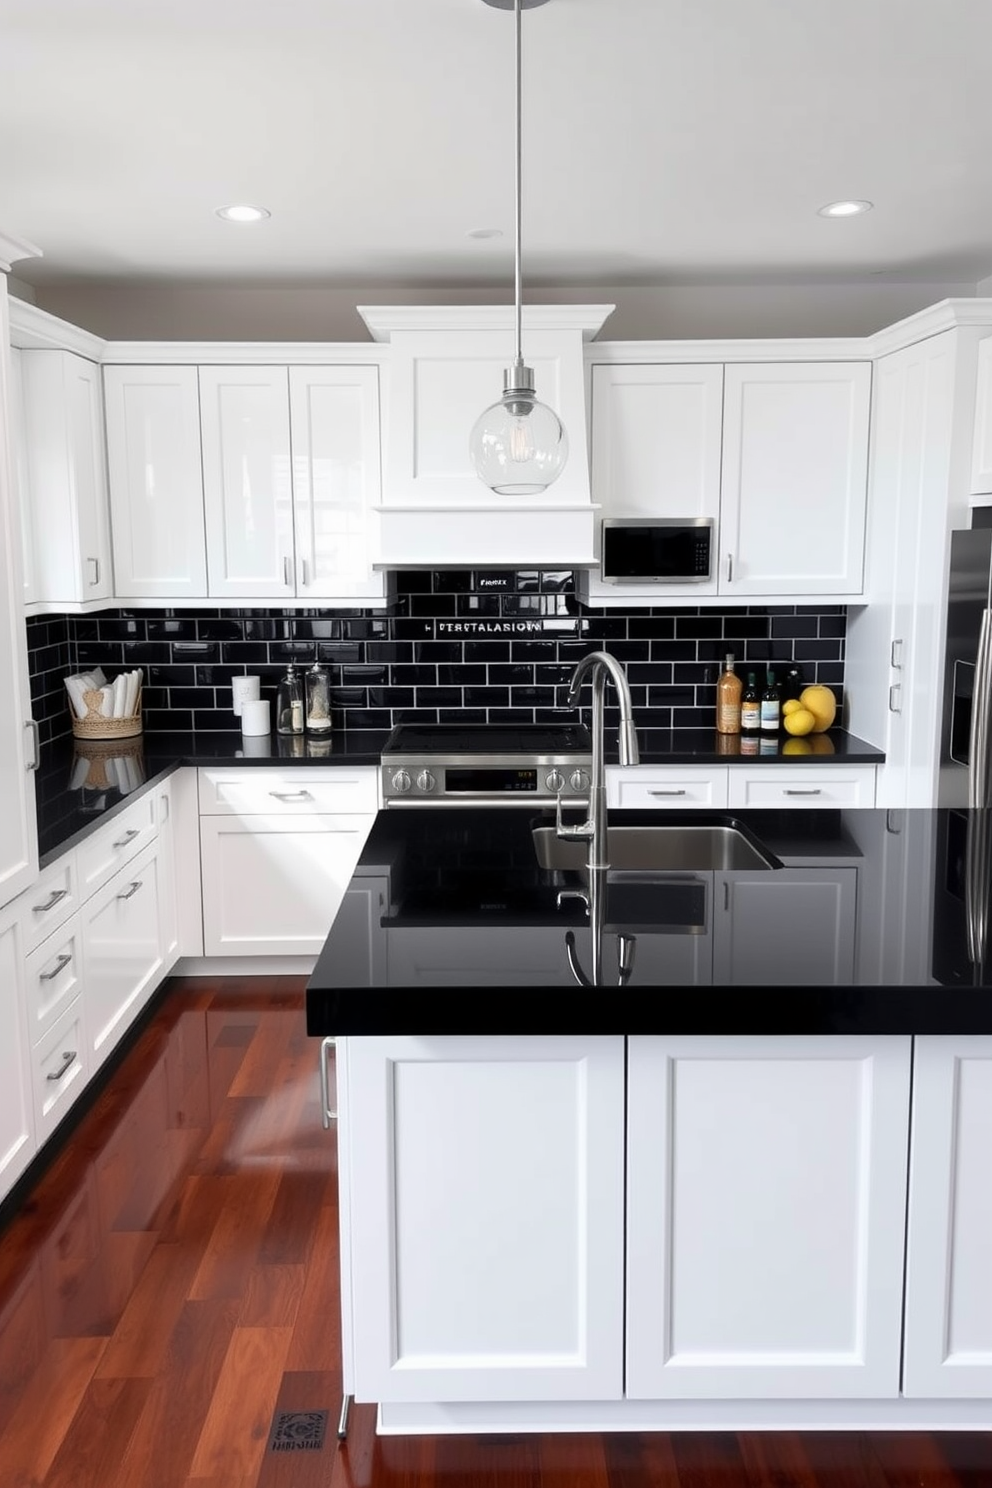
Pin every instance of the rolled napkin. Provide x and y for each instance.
(131, 693)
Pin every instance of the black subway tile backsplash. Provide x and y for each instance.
(449, 650)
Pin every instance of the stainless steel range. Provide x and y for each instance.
(494, 765)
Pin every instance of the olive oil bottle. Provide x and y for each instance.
(728, 699)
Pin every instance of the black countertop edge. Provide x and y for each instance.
(707, 747)
(68, 814)
(367, 1011)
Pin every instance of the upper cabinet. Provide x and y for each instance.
(64, 470)
(247, 482)
(981, 454)
(156, 485)
(776, 453)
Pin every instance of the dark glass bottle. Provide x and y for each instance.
(750, 707)
(792, 684)
(769, 705)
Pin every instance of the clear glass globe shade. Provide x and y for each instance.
(518, 447)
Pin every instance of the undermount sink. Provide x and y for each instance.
(665, 848)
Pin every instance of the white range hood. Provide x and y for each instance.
(445, 365)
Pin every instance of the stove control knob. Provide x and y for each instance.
(426, 781)
(555, 781)
(579, 780)
(400, 782)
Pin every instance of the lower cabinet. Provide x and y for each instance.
(17, 1135)
(122, 950)
(766, 1192)
(948, 1347)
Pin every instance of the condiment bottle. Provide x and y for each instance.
(318, 700)
(728, 699)
(289, 703)
(769, 705)
(750, 707)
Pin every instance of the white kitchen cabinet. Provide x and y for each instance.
(948, 1322)
(766, 1189)
(19, 475)
(666, 786)
(114, 844)
(484, 1251)
(53, 977)
(65, 465)
(833, 787)
(156, 482)
(794, 478)
(981, 454)
(808, 914)
(656, 434)
(122, 952)
(168, 904)
(53, 898)
(17, 1134)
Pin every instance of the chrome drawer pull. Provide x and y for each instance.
(132, 890)
(50, 902)
(815, 792)
(298, 795)
(60, 965)
(326, 1114)
(129, 836)
(67, 1062)
(666, 792)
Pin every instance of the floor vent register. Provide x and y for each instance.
(298, 1431)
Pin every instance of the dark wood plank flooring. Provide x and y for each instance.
(168, 1285)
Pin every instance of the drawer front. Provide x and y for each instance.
(49, 901)
(58, 1070)
(122, 950)
(666, 788)
(801, 787)
(53, 977)
(101, 855)
(297, 792)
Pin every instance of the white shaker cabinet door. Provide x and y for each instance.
(247, 482)
(17, 1141)
(794, 482)
(948, 1344)
(766, 1191)
(485, 1216)
(156, 481)
(122, 951)
(334, 414)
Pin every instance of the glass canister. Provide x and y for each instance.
(318, 700)
(289, 703)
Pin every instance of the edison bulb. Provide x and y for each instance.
(518, 446)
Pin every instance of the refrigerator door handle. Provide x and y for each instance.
(978, 742)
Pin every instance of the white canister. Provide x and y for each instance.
(255, 716)
(244, 690)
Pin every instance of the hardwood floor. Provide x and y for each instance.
(168, 1289)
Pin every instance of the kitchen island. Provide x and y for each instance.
(742, 1183)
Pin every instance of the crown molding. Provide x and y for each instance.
(33, 329)
(781, 349)
(243, 353)
(12, 250)
(384, 321)
(945, 315)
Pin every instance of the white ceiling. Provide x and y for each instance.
(665, 141)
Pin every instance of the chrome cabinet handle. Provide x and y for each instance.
(60, 965)
(64, 1067)
(730, 568)
(131, 890)
(96, 572)
(326, 1114)
(306, 573)
(815, 792)
(50, 902)
(32, 724)
(129, 836)
(895, 698)
(895, 655)
(666, 793)
(297, 795)
(287, 576)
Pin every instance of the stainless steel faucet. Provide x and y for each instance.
(600, 665)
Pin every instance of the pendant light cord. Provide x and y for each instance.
(517, 184)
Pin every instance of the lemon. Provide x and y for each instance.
(820, 701)
(799, 721)
(791, 705)
(797, 746)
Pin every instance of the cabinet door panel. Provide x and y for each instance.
(17, 1137)
(156, 481)
(766, 1183)
(948, 1350)
(795, 465)
(486, 1216)
(121, 950)
(335, 429)
(247, 493)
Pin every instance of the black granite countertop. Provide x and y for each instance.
(467, 934)
(80, 784)
(707, 747)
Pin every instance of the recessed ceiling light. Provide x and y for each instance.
(243, 213)
(845, 208)
(484, 232)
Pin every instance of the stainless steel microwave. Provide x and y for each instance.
(656, 550)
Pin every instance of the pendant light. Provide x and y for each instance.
(519, 445)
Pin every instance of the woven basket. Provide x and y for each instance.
(94, 726)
